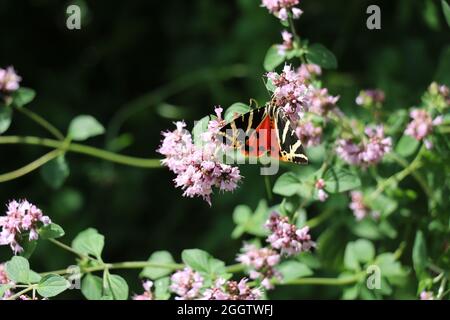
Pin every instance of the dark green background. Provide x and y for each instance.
(193, 55)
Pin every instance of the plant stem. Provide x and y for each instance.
(323, 281)
(234, 268)
(268, 188)
(42, 122)
(31, 166)
(83, 149)
(18, 294)
(314, 222)
(67, 248)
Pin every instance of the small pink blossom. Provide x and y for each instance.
(359, 208)
(186, 284)
(5, 280)
(282, 8)
(321, 194)
(290, 93)
(198, 167)
(308, 70)
(287, 43)
(309, 134)
(321, 102)
(287, 237)
(261, 262)
(147, 294)
(21, 217)
(368, 152)
(422, 125)
(426, 295)
(9, 80)
(370, 97)
(231, 290)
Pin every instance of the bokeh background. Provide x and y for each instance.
(137, 66)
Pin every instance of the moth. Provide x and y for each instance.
(265, 130)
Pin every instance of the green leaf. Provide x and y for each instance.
(84, 127)
(89, 242)
(291, 270)
(6, 114)
(158, 257)
(351, 258)
(23, 96)
(273, 59)
(28, 247)
(18, 269)
(117, 286)
(34, 277)
(162, 289)
(51, 285)
(287, 184)
(406, 146)
(446, 9)
(55, 172)
(51, 231)
(389, 266)
(340, 180)
(204, 263)
(419, 254)
(321, 56)
(92, 287)
(384, 205)
(364, 250)
(235, 109)
(200, 127)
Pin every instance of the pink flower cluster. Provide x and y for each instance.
(426, 295)
(148, 294)
(4, 280)
(370, 97)
(231, 290)
(290, 93)
(186, 284)
(321, 194)
(321, 102)
(261, 262)
(287, 237)
(422, 125)
(309, 70)
(282, 8)
(198, 168)
(309, 134)
(20, 217)
(9, 80)
(359, 208)
(287, 43)
(368, 152)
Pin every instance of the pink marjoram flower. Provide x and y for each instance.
(186, 284)
(321, 102)
(287, 43)
(147, 294)
(198, 167)
(262, 262)
(422, 125)
(359, 208)
(282, 8)
(5, 280)
(290, 93)
(321, 194)
(287, 237)
(368, 152)
(9, 80)
(369, 97)
(309, 134)
(308, 70)
(426, 295)
(231, 290)
(21, 217)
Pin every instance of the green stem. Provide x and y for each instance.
(67, 248)
(83, 149)
(30, 167)
(323, 281)
(296, 37)
(42, 122)
(314, 222)
(18, 294)
(268, 188)
(234, 268)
